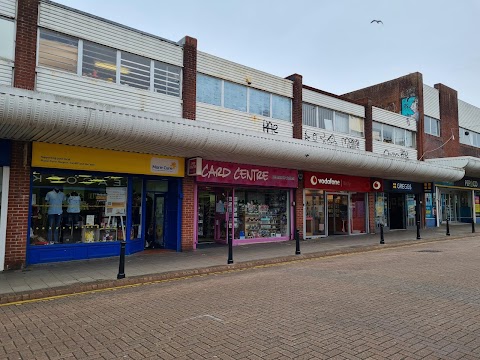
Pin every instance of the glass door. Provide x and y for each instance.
(338, 219)
(314, 213)
(358, 213)
(159, 220)
(449, 206)
(222, 215)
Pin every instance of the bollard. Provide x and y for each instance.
(382, 240)
(448, 229)
(418, 230)
(230, 250)
(297, 242)
(121, 267)
(473, 225)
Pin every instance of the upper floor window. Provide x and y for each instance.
(431, 125)
(58, 51)
(332, 120)
(468, 137)
(393, 135)
(97, 61)
(214, 91)
(7, 47)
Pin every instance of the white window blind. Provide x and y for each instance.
(58, 51)
(99, 62)
(167, 79)
(135, 71)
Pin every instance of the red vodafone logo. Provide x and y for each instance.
(377, 185)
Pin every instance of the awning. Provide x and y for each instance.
(33, 116)
(470, 164)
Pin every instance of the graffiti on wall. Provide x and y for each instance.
(400, 153)
(331, 139)
(269, 127)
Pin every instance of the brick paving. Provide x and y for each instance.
(415, 302)
(62, 278)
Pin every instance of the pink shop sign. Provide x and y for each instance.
(244, 174)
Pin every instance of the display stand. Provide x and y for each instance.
(121, 224)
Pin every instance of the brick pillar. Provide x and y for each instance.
(189, 86)
(26, 44)
(299, 208)
(188, 213)
(449, 120)
(368, 103)
(18, 206)
(297, 105)
(371, 213)
(418, 80)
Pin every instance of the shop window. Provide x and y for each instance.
(358, 213)
(259, 102)
(167, 79)
(136, 71)
(314, 213)
(136, 228)
(235, 96)
(7, 47)
(99, 62)
(69, 208)
(58, 51)
(281, 108)
(261, 214)
(209, 90)
(309, 115)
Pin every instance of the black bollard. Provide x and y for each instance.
(382, 240)
(121, 267)
(297, 242)
(418, 230)
(230, 250)
(448, 229)
(473, 225)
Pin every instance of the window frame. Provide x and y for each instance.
(14, 34)
(430, 119)
(249, 94)
(405, 132)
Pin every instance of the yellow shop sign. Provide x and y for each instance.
(81, 158)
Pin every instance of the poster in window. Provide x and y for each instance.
(116, 204)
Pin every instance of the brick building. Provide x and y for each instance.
(110, 134)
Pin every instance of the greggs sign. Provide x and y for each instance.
(337, 182)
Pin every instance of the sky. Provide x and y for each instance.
(332, 44)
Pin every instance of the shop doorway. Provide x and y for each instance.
(337, 208)
(214, 225)
(396, 207)
(159, 221)
(156, 214)
(449, 206)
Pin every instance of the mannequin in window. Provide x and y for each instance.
(54, 199)
(74, 200)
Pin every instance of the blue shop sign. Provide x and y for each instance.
(472, 183)
(403, 187)
(5, 152)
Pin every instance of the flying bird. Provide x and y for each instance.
(377, 21)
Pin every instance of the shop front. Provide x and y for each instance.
(85, 201)
(457, 201)
(5, 154)
(398, 205)
(335, 204)
(245, 203)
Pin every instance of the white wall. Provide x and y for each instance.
(394, 119)
(8, 8)
(322, 136)
(431, 102)
(228, 70)
(333, 103)
(55, 17)
(468, 116)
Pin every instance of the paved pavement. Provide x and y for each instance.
(47, 279)
(412, 302)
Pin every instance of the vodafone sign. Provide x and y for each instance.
(338, 182)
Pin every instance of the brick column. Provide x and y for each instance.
(299, 208)
(18, 206)
(449, 120)
(189, 86)
(297, 105)
(26, 44)
(368, 103)
(188, 213)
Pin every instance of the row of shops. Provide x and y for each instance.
(83, 201)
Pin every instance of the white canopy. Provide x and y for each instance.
(470, 164)
(33, 116)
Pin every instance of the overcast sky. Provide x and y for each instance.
(331, 43)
